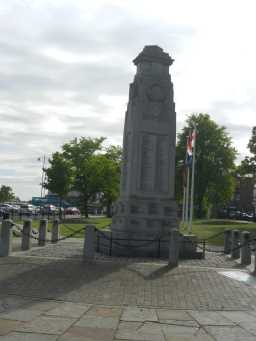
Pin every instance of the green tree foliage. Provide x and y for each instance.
(87, 169)
(59, 175)
(248, 165)
(6, 193)
(215, 158)
(82, 153)
(111, 176)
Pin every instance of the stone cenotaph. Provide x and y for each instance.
(146, 210)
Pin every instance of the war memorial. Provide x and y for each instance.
(146, 210)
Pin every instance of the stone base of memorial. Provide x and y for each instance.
(125, 244)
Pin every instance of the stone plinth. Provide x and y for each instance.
(135, 245)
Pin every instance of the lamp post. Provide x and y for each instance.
(42, 177)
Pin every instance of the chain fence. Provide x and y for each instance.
(200, 244)
(74, 232)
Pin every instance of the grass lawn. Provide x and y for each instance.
(201, 228)
(68, 226)
(207, 228)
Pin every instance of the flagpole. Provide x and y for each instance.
(192, 183)
(183, 205)
(187, 197)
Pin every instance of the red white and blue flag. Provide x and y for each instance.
(190, 144)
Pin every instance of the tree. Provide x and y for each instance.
(111, 176)
(111, 170)
(81, 153)
(248, 165)
(84, 167)
(215, 156)
(6, 193)
(59, 175)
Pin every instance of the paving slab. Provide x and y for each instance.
(238, 316)
(24, 315)
(69, 309)
(137, 331)
(229, 333)
(187, 323)
(104, 311)
(139, 314)
(202, 336)
(47, 324)
(42, 306)
(179, 330)
(88, 334)
(98, 322)
(170, 314)
(210, 318)
(9, 302)
(250, 326)
(6, 326)
(28, 337)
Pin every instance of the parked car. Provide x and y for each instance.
(247, 216)
(72, 211)
(15, 207)
(49, 209)
(2, 211)
(27, 209)
(6, 207)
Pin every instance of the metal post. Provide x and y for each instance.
(6, 238)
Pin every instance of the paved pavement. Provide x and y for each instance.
(50, 293)
(67, 321)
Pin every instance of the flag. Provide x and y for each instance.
(190, 145)
(189, 151)
(193, 138)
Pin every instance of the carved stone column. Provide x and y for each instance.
(146, 208)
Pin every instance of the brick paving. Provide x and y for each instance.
(49, 293)
(120, 283)
(73, 248)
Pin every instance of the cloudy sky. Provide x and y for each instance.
(65, 67)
